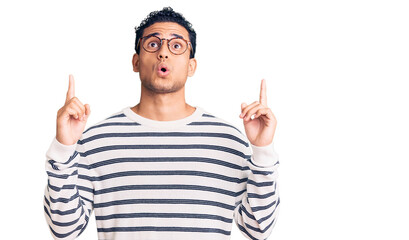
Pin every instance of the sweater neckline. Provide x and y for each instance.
(163, 124)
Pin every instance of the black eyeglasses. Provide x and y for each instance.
(176, 45)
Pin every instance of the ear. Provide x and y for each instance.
(135, 62)
(192, 67)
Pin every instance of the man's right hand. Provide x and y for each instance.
(72, 117)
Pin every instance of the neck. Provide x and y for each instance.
(163, 107)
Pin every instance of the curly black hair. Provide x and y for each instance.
(166, 15)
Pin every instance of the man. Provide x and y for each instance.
(162, 169)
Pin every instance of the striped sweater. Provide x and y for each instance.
(150, 180)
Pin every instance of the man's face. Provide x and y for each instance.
(151, 66)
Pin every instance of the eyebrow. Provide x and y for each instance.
(173, 35)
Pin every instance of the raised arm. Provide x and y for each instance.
(68, 196)
(257, 210)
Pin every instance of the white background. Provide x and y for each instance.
(337, 81)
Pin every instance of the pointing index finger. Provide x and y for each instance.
(263, 94)
(71, 88)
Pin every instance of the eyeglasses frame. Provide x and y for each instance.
(161, 43)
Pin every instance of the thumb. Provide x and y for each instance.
(87, 111)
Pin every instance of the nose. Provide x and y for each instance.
(161, 56)
(163, 52)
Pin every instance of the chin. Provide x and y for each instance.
(159, 87)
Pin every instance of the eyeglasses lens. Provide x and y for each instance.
(153, 44)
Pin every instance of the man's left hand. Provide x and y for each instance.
(259, 130)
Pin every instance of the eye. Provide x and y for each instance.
(177, 46)
(153, 44)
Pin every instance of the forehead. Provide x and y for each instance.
(166, 30)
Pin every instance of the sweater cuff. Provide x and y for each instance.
(264, 156)
(60, 152)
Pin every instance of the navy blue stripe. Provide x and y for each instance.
(90, 190)
(163, 146)
(120, 115)
(262, 172)
(212, 124)
(249, 158)
(64, 200)
(85, 225)
(64, 224)
(247, 233)
(165, 215)
(246, 168)
(164, 134)
(58, 189)
(165, 187)
(167, 159)
(260, 230)
(241, 192)
(251, 161)
(248, 226)
(163, 229)
(257, 229)
(260, 184)
(173, 159)
(59, 212)
(113, 124)
(51, 162)
(59, 235)
(249, 215)
(207, 115)
(72, 157)
(260, 208)
(83, 166)
(260, 196)
(164, 173)
(164, 201)
(62, 176)
(266, 217)
(259, 222)
(86, 199)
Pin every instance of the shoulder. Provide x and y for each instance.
(216, 123)
(113, 120)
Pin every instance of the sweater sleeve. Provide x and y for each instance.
(257, 207)
(68, 196)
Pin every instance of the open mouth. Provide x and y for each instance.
(163, 70)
